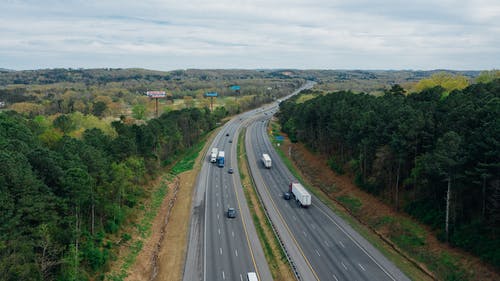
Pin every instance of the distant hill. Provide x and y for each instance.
(106, 75)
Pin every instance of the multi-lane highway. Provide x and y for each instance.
(222, 248)
(322, 245)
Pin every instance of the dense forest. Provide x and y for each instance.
(84, 141)
(433, 154)
(81, 146)
(61, 199)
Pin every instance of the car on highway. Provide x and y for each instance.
(227, 134)
(230, 170)
(231, 213)
(287, 195)
(230, 141)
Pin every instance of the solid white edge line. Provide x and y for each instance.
(357, 244)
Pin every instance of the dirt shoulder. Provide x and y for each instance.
(142, 269)
(371, 214)
(172, 223)
(173, 249)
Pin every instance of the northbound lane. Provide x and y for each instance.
(323, 246)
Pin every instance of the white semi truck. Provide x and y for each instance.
(300, 193)
(252, 276)
(266, 160)
(213, 155)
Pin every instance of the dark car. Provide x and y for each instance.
(230, 170)
(230, 141)
(287, 195)
(227, 134)
(231, 213)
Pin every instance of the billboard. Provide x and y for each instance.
(156, 94)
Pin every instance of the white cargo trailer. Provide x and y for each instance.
(213, 155)
(266, 160)
(300, 193)
(252, 276)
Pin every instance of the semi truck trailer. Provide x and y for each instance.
(213, 155)
(266, 160)
(300, 194)
(220, 159)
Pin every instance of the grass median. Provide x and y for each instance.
(276, 258)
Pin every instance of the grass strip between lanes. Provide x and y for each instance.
(276, 258)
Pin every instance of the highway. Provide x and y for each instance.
(222, 248)
(320, 244)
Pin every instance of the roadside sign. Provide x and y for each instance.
(211, 94)
(156, 94)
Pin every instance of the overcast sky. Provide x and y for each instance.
(304, 34)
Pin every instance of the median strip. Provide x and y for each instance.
(275, 256)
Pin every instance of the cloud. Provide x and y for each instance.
(235, 33)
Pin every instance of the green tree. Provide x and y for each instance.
(449, 156)
(448, 81)
(99, 108)
(488, 76)
(64, 123)
(139, 111)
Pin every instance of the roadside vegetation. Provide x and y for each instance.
(64, 202)
(79, 154)
(430, 154)
(141, 227)
(82, 150)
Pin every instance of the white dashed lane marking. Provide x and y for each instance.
(345, 267)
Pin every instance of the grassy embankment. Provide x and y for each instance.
(140, 228)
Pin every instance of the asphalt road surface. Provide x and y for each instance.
(222, 248)
(320, 244)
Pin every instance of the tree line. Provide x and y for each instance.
(60, 200)
(432, 154)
